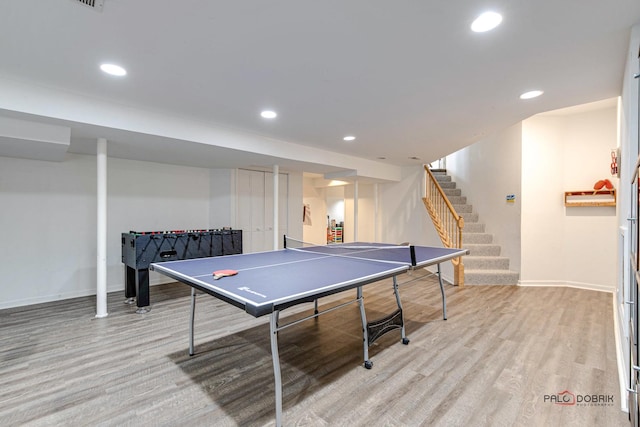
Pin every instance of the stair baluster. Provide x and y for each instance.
(446, 220)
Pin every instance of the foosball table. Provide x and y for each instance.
(139, 249)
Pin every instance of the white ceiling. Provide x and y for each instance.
(408, 78)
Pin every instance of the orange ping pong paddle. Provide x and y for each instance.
(223, 273)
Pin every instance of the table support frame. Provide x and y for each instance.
(274, 328)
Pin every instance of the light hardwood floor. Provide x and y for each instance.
(491, 364)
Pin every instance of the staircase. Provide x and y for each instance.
(483, 265)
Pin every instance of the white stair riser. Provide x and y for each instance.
(472, 227)
(457, 200)
(461, 209)
(486, 263)
(482, 250)
(446, 185)
(490, 277)
(470, 217)
(452, 191)
(473, 238)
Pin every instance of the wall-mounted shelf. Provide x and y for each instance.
(590, 198)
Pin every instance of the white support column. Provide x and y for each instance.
(101, 261)
(355, 210)
(376, 220)
(276, 203)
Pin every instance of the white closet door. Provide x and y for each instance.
(251, 211)
(258, 226)
(255, 209)
(268, 210)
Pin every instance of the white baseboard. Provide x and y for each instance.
(568, 284)
(115, 287)
(46, 298)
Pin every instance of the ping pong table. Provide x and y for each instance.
(269, 282)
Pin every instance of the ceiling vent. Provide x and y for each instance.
(93, 4)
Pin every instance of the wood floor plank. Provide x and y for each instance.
(491, 363)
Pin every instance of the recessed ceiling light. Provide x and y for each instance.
(531, 94)
(349, 138)
(486, 22)
(268, 114)
(414, 158)
(113, 69)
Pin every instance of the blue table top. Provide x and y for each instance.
(274, 279)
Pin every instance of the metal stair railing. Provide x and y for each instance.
(446, 220)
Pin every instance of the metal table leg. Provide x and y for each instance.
(396, 291)
(192, 320)
(276, 365)
(444, 298)
(365, 333)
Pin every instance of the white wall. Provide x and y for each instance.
(48, 216)
(573, 246)
(222, 197)
(338, 203)
(542, 208)
(335, 196)
(538, 161)
(402, 214)
(315, 197)
(144, 196)
(366, 213)
(487, 172)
